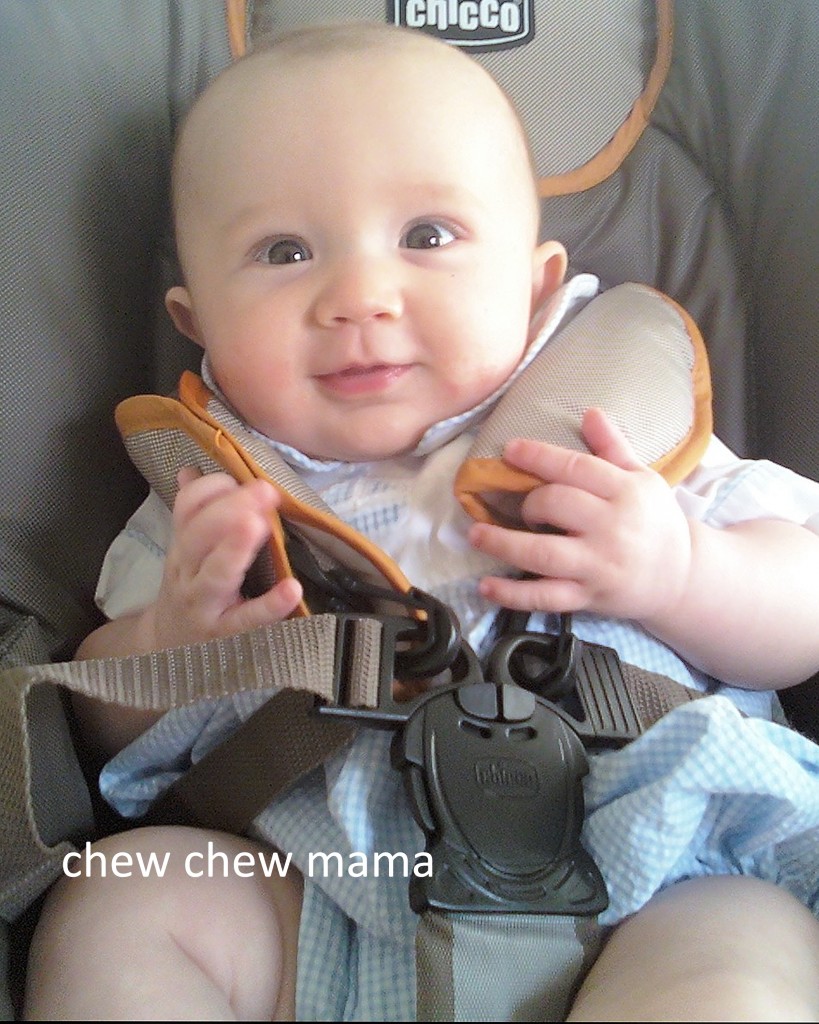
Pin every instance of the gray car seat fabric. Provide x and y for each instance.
(91, 94)
(742, 97)
(717, 205)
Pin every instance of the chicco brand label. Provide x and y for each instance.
(478, 24)
(506, 776)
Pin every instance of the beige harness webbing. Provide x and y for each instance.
(41, 813)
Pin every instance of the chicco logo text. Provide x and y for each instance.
(506, 776)
(482, 24)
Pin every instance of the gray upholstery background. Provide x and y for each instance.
(91, 92)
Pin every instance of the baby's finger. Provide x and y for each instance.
(538, 595)
(220, 561)
(187, 474)
(223, 514)
(197, 491)
(554, 464)
(562, 507)
(279, 602)
(553, 555)
(608, 441)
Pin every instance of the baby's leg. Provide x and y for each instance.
(178, 947)
(732, 949)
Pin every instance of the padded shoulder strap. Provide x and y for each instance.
(163, 434)
(632, 352)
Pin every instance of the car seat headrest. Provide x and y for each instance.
(584, 77)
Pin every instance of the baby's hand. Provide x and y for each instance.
(219, 527)
(625, 545)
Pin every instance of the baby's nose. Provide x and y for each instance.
(359, 290)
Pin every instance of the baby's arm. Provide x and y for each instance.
(738, 602)
(218, 529)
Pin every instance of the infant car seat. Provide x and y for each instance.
(699, 181)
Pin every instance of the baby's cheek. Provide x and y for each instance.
(479, 378)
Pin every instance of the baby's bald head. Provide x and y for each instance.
(243, 100)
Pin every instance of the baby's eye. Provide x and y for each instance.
(427, 235)
(283, 251)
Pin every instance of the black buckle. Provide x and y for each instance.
(409, 649)
(493, 772)
(543, 663)
(492, 762)
(494, 778)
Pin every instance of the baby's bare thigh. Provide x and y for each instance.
(723, 948)
(212, 938)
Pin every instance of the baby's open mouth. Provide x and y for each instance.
(357, 379)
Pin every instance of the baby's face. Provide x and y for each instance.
(360, 251)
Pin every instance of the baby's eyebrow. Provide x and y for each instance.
(441, 192)
(249, 220)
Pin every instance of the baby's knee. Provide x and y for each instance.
(175, 906)
(728, 948)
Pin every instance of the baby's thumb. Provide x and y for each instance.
(279, 602)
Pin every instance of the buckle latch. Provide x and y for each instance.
(493, 773)
(493, 770)
(584, 681)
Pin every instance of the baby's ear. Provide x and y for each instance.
(549, 264)
(180, 308)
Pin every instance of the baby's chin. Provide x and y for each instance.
(365, 442)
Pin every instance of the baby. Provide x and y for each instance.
(357, 224)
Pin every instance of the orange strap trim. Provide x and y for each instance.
(236, 18)
(477, 477)
(611, 156)
(684, 457)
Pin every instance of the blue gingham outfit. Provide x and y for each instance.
(706, 791)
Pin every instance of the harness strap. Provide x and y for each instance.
(42, 813)
(299, 656)
(262, 759)
(201, 797)
(460, 960)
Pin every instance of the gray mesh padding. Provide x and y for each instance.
(267, 458)
(91, 93)
(626, 334)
